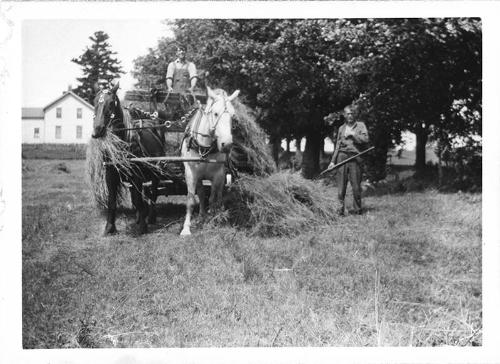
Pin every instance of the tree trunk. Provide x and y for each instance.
(440, 152)
(275, 142)
(422, 135)
(440, 170)
(310, 161)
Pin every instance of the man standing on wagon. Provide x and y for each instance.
(352, 138)
(181, 74)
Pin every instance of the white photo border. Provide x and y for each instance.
(12, 14)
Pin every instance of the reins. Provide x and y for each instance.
(203, 151)
(211, 128)
(167, 124)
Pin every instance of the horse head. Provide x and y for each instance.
(106, 109)
(219, 112)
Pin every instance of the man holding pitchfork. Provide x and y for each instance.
(351, 139)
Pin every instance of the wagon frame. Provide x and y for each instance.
(164, 107)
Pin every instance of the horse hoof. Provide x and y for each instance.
(185, 232)
(110, 230)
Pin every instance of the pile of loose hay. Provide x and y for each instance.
(250, 151)
(111, 149)
(280, 204)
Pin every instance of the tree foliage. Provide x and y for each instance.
(98, 62)
(150, 69)
(422, 75)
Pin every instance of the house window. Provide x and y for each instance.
(79, 113)
(79, 131)
(58, 112)
(36, 133)
(58, 132)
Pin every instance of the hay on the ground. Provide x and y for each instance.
(282, 204)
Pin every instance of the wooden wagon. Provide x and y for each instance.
(171, 113)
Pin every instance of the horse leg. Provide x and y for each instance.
(132, 198)
(152, 195)
(190, 201)
(200, 190)
(139, 205)
(112, 183)
(216, 193)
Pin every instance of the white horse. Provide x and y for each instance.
(208, 136)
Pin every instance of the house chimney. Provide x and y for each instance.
(70, 88)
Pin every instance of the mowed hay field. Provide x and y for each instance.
(408, 272)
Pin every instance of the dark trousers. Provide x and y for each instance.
(349, 172)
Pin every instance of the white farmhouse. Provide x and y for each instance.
(66, 120)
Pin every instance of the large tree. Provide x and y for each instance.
(424, 69)
(98, 62)
(404, 74)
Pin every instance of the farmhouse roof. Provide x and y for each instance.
(65, 94)
(32, 113)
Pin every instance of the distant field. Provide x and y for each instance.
(408, 272)
(54, 151)
(408, 157)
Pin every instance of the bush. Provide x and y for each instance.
(463, 168)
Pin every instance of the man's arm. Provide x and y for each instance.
(361, 134)
(336, 149)
(193, 76)
(170, 76)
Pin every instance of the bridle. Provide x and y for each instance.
(114, 115)
(209, 114)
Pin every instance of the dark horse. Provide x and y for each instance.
(110, 117)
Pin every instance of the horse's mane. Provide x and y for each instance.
(119, 108)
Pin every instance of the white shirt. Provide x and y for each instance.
(349, 130)
(177, 64)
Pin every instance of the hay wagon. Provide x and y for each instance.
(169, 111)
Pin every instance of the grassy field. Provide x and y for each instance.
(406, 273)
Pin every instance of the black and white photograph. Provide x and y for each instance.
(304, 181)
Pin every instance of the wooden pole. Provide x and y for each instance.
(346, 161)
(171, 159)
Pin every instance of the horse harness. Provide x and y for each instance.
(191, 132)
(119, 123)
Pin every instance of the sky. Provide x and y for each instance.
(49, 45)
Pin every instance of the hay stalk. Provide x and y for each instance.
(113, 150)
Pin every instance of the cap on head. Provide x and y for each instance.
(348, 108)
(181, 49)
